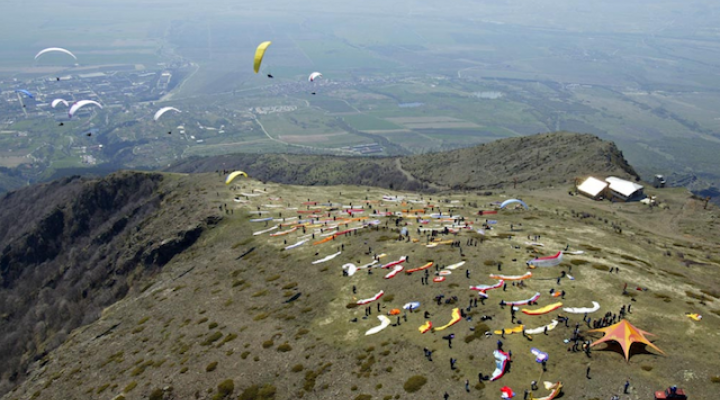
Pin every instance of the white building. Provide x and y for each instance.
(623, 190)
(592, 188)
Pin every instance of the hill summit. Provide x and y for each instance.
(530, 162)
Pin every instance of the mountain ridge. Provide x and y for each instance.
(529, 162)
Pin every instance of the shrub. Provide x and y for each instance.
(297, 368)
(211, 367)
(156, 394)
(284, 348)
(601, 267)
(255, 392)
(268, 343)
(647, 367)
(213, 325)
(414, 383)
(130, 386)
(226, 387)
(230, 337)
(212, 339)
(715, 379)
(290, 285)
(363, 397)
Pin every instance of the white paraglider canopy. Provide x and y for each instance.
(58, 101)
(163, 110)
(55, 50)
(80, 104)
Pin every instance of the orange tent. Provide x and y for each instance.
(625, 334)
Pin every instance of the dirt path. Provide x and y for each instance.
(411, 177)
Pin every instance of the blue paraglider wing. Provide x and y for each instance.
(25, 92)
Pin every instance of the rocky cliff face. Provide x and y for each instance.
(72, 247)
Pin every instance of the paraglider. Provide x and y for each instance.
(384, 323)
(456, 317)
(312, 78)
(501, 360)
(25, 92)
(162, 111)
(549, 261)
(412, 305)
(554, 388)
(523, 302)
(507, 393)
(259, 54)
(425, 327)
(80, 104)
(234, 175)
(53, 50)
(58, 101)
(327, 258)
(511, 201)
(545, 328)
(583, 310)
(540, 356)
(542, 310)
(371, 299)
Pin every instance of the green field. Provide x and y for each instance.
(365, 122)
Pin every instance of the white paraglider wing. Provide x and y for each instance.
(80, 104)
(163, 110)
(55, 49)
(58, 101)
(314, 76)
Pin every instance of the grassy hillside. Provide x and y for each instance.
(74, 246)
(215, 321)
(534, 162)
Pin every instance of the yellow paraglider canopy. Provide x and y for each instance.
(233, 176)
(259, 54)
